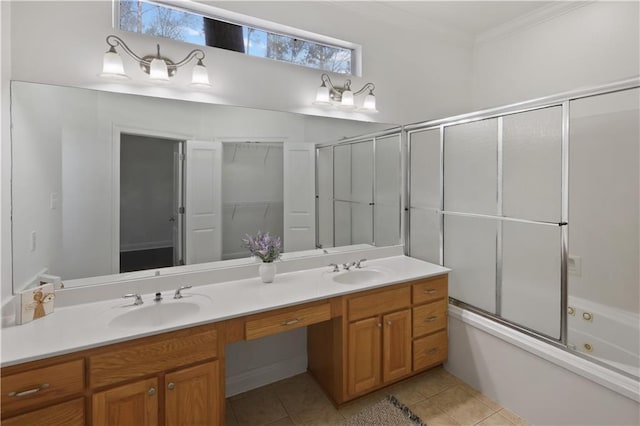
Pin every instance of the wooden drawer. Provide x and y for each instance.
(430, 289)
(41, 384)
(288, 319)
(378, 303)
(152, 356)
(66, 414)
(430, 350)
(430, 317)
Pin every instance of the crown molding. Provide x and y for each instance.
(531, 19)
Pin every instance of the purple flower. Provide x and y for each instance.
(264, 246)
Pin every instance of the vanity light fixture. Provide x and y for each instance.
(159, 68)
(330, 95)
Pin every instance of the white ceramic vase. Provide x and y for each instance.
(267, 272)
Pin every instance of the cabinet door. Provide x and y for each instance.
(192, 396)
(132, 404)
(396, 342)
(364, 355)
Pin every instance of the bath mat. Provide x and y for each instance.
(387, 412)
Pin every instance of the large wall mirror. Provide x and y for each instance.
(109, 186)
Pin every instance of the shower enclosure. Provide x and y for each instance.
(358, 186)
(535, 206)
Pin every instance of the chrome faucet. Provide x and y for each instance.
(347, 266)
(138, 300)
(335, 267)
(359, 262)
(178, 294)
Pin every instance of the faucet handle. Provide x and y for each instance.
(358, 263)
(347, 266)
(178, 294)
(138, 300)
(335, 267)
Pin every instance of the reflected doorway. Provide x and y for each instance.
(151, 202)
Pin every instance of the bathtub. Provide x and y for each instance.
(610, 335)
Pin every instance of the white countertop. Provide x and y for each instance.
(85, 326)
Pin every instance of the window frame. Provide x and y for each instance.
(243, 20)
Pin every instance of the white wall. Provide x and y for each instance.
(593, 43)
(5, 152)
(439, 72)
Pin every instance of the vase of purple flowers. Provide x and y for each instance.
(266, 248)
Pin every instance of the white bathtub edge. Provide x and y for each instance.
(616, 382)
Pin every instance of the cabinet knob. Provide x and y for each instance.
(379, 325)
(151, 391)
(171, 386)
(388, 322)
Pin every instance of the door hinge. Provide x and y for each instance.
(180, 210)
(182, 156)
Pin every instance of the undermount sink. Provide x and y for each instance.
(154, 315)
(357, 276)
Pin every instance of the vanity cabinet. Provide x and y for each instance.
(385, 335)
(49, 393)
(379, 347)
(190, 397)
(184, 386)
(174, 378)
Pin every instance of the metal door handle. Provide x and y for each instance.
(29, 391)
(430, 319)
(290, 322)
(431, 291)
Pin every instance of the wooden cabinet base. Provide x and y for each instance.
(64, 414)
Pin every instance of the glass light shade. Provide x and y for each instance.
(369, 103)
(200, 76)
(112, 65)
(347, 98)
(322, 96)
(158, 70)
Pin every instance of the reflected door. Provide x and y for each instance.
(150, 196)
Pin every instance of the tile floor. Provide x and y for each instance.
(438, 397)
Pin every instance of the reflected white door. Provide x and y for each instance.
(299, 198)
(203, 206)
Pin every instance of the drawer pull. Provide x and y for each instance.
(431, 351)
(431, 291)
(430, 319)
(290, 322)
(30, 391)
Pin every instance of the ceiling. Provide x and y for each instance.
(469, 17)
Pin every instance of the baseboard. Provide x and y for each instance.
(262, 376)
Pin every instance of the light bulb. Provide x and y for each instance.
(369, 103)
(200, 75)
(112, 65)
(158, 70)
(347, 99)
(322, 96)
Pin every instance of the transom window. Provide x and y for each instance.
(162, 20)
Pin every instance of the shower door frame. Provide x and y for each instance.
(561, 99)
